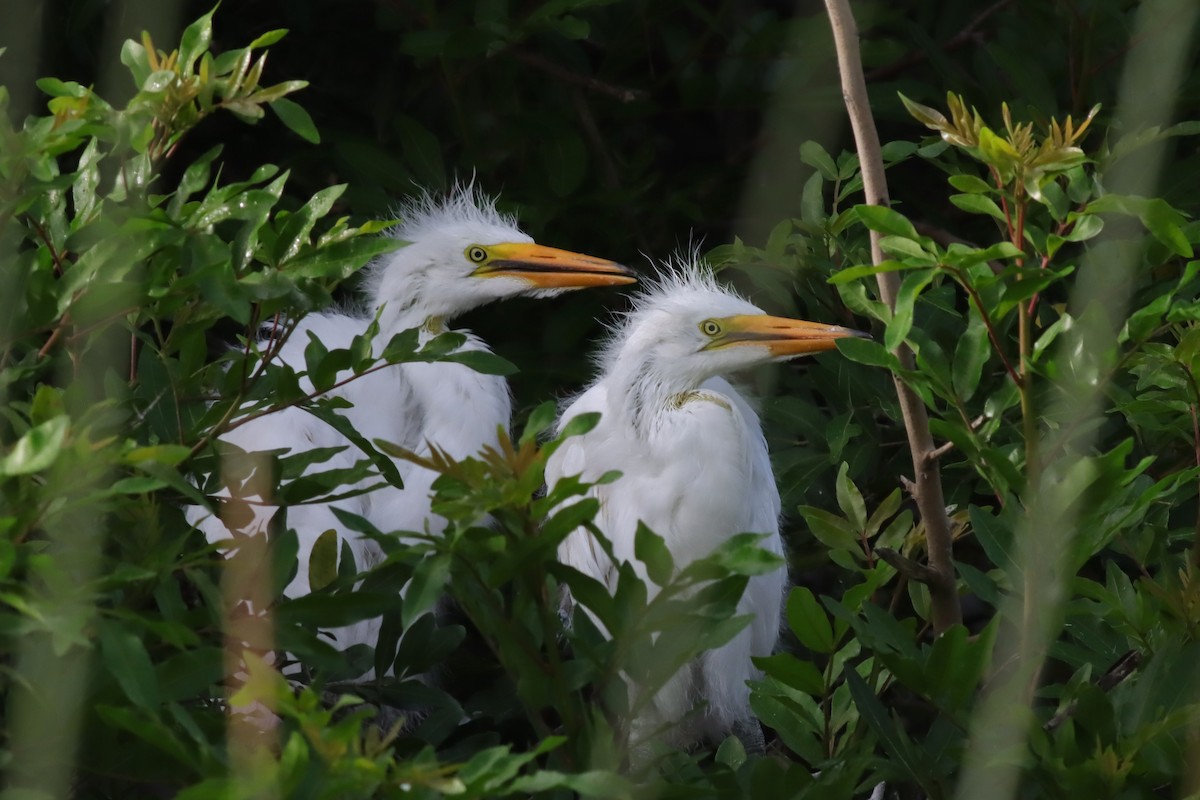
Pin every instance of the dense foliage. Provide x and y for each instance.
(1042, 225)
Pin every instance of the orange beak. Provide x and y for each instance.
(782, 336)
(551, 268)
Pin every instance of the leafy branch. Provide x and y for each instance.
(927, 481)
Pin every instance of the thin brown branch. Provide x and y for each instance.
(910, 569)
(938, 452)
(945, 238)
(964, 36)
(1016, 376)
(55, 335)
(45, 237)
(1126, 665)
(624, 94)
(931, 504)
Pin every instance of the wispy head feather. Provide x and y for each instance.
(683, 281)
(464, 203)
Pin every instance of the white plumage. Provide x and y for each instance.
(694, 464)
(461, 253)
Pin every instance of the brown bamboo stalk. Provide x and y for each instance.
(943, 594)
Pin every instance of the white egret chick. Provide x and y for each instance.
(461, 253)
(695, 469)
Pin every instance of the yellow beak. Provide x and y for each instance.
(782, 336)
(551, 268)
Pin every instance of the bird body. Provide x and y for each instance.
(460, 253)
(694, 467)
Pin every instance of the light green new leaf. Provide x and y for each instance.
(37, 449)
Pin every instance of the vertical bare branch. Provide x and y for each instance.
(944, 605)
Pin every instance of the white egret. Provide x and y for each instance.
(695, 468)
(461, 253)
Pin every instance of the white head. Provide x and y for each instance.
(685, 328)
(463, 253)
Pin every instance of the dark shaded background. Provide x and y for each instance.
(624, 129)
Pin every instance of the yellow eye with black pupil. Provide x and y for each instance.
(710, 327)
(476, 254)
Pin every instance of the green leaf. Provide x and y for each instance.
(908, 755)
(850, 500)
(293, 115)
(158, 81)
(812, 201)
(864, 351)
(133, 55)
(196, 39)
(126, 659)
(482, 361)
(816, 156)
(540, 420)
(741, 554)
(795, 672)
(929, 117)
(853, 273)
(427, 584)
(580, 424)
(269, 38)
(322, 562)
(1160, 218)
(978, 204)
(970, 355)
(998, 152)
(907, 248)
(731, 753)
(971, 184)
(294, 234)
(37, 449)
(906, 299)
(136, 485)
(1087, 226)
(996, 538)
(797, 727)
(335, 610)
(649, 548)
(808, 621)
(885, 220)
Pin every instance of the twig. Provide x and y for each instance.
(953, 43)
(1125, 666)
(941, 450)
(938, 452)
(54, 254)
(55, 335)
(945, 238)
(621, 93)
(964, 281)
(943, 594)
(907, 567)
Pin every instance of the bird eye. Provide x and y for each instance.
(476, 254)
(710, 327)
